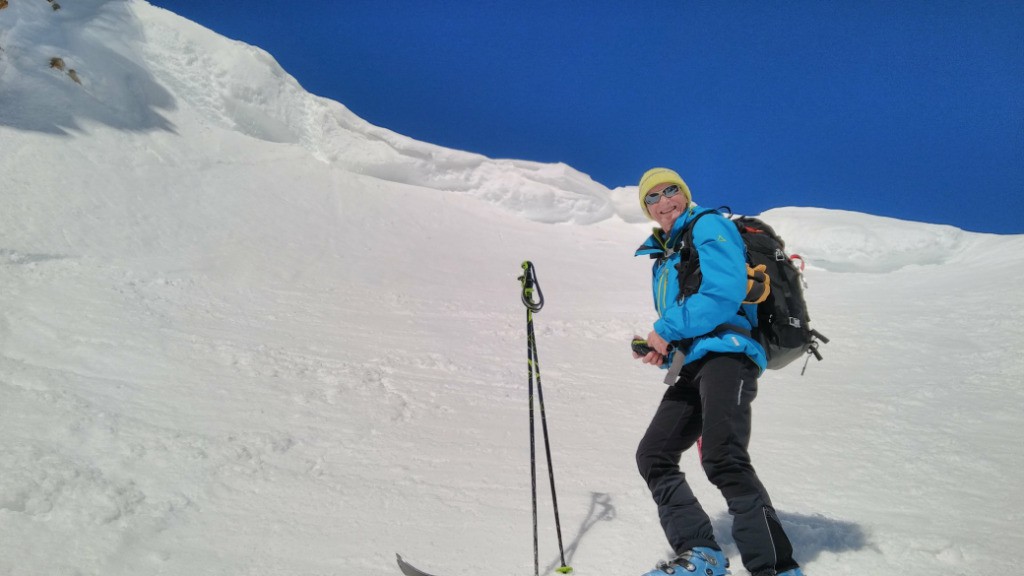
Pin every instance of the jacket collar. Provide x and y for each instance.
(657, 245)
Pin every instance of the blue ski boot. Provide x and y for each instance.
(792, 572)
(700, 561)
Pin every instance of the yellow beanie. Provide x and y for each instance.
(656, 176)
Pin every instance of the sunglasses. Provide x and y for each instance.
(654, 197)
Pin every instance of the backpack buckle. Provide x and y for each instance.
(794, 322)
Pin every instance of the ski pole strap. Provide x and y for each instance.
(675, 368)
(533, 298)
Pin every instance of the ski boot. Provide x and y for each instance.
(700, 561)
(792, 572)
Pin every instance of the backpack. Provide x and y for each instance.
(774, 282)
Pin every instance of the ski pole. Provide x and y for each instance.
(529, 281)
(533, 299)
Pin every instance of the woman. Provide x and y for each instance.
(710, 400)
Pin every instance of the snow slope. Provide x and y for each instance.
(243, 331)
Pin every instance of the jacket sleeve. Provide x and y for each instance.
(722, 289)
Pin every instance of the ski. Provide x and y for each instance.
(409, 569)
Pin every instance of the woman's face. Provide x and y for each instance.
(667, 208)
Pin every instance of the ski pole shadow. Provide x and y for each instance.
(601, 510)
(20, 259)
(810, 534)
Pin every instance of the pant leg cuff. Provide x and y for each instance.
(698, 543)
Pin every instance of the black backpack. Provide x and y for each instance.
(783, 324)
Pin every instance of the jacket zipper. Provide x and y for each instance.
(662, 288)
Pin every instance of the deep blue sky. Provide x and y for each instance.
(911, 109)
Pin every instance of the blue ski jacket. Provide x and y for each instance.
(719, 300)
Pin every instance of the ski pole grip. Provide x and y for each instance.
(640, 346)
(532, 297)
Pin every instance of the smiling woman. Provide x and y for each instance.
(705, 336)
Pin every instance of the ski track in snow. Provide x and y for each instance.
(243, 331)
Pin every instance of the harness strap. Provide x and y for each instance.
(717, 331)
(723, 328)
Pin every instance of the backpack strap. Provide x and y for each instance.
(690, 278)
(685, 237)
(689, 261)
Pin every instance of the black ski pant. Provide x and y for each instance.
(711, 400)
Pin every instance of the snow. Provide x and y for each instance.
(243, 331)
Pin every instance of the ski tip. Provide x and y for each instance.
(409, 569)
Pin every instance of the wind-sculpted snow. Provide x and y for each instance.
(240, 87)
(550, 193)
(134, 79)
(841, 241)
